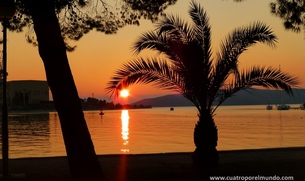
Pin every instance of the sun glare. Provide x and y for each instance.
(124, 93)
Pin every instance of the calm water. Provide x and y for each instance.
(159, 130)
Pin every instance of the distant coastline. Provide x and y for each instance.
(92, 105)
(245, 97)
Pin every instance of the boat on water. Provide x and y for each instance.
(302, 106)
(101, 112)
(282, 107)
(269, 107)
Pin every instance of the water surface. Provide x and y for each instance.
(158, 130)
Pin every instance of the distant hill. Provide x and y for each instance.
(245, 97)
(165, 101)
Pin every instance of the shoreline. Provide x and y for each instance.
(172, 166)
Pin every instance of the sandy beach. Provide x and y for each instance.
(172, 166)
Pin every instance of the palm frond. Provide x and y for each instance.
(158, 72)
(150, 40)
(202, 29)
(235, 44)
(267, 77)
(162, 44)
(175, 28)
(241, 38)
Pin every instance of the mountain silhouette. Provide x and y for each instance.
(244, 97)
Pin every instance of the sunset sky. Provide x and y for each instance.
(98, 55)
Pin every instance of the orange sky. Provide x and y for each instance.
(97, 55)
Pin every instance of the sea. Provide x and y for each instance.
(158, 130)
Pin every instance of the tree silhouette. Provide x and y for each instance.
(188, 67)
(55, 23)
(292, 12)
(78, 17)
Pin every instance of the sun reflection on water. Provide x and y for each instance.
(125, 130)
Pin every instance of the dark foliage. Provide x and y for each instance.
(292, 12)
(78, 17)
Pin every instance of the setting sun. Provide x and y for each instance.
(124, 93)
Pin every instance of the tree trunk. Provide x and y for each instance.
(82, 159)
(205, 139)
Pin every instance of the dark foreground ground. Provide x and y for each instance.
(174, 166)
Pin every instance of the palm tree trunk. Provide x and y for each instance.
(205, 139)
(82, 158)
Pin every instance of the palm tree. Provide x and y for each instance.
(188, 68)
